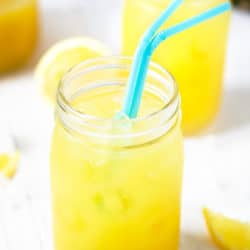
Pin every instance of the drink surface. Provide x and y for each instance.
(113, 197)
(18, 29)
(194, 57)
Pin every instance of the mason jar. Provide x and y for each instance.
(19, 31)
(195, 57)
(116, 182)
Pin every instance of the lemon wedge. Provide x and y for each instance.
(61, 58)
(8, 164)
(227, 233)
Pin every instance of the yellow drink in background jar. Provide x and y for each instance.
(116, 184)
(18, 32)
(195, 57)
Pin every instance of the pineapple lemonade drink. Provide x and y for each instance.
(195, 58)
(18, 32)
(116, 183)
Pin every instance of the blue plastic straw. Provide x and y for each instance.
(139, 56)
(141, 64)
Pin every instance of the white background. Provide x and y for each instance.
(217, 164)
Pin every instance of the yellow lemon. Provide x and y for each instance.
(8, 164)
(62, 57)
(227, 233)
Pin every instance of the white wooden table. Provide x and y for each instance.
(217, 168)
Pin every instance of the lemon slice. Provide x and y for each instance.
(8, 164)
(228, 234)
(61, 58)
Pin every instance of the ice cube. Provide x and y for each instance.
(121, 123)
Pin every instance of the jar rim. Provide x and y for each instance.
(63, 103)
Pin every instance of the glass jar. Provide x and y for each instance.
(18, 29)
(195, 57)
(116, 183)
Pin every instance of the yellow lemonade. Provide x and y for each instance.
(195, 57)
(116, 183)
(18, 32)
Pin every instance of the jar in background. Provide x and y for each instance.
(18, 32)
(195, 57)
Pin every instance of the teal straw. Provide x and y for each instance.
(139, 56)
(139, 71)
(163, 35)
(173, 6)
